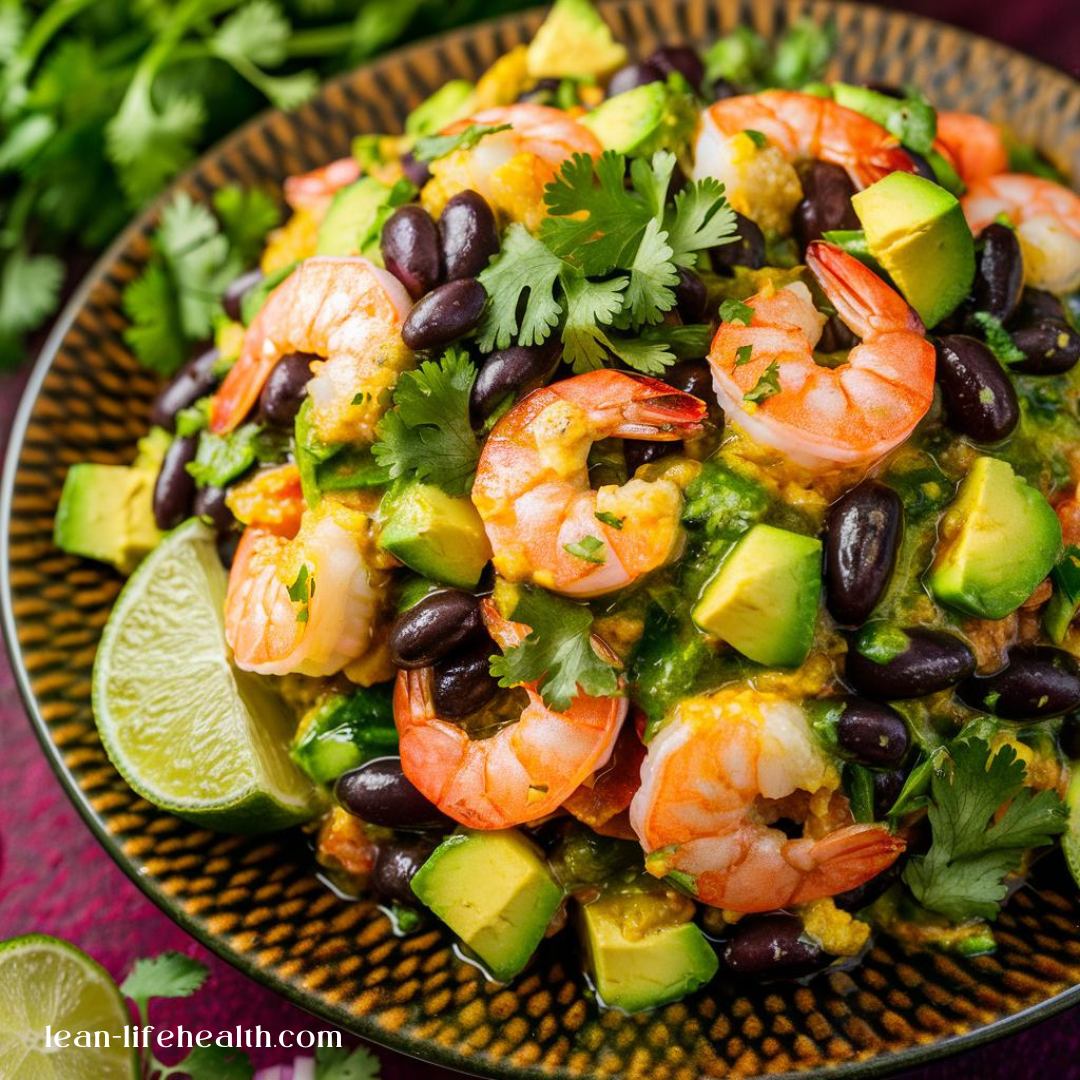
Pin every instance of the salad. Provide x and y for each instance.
(636, 503)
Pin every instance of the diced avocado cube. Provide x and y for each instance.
(643, 120)
(763, 600)
(450, 102)
(635, 968)
(574, 42)
(435, 534)
(997, 540)
(106, 513)
(495, 891)
(344, 731)
(916, 230)
(354, 221)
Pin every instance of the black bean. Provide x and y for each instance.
(396, 864)
(862, 537)
(1051, 347)
(417, 171)
(826, 202)
(772, 945)
(928, 661)
(237, 289)
(692, 377)
(999, 278)
(873, 733)
(285, 388)
(462, 683)
(691, 296)
(978, 395)
(888, 89)
(445, 314)
(638, 452)
(542, 92)
(887, 788)
(193, 381)
(836, 337)
(1069, 736)
(722, 89)
(1036, 304)
(923, 167)
(683, 59)
(434, 627)
(1037, 683)
(866, 893)
(632, 76)
(209, 504)
(175, 486)
(227, 543)
(511, 371)
(410, 248)
(468, 235)
(748, 250)
(379, 792)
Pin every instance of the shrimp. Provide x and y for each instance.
(708, 786)
(328, 565)
(544, 522)
(315, 190)
(822, 417)
(510, 168)
(761, 182)
(972, 144)
(1047, 220)
(523, 772)
(348, 314)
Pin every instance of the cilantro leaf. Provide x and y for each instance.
(590, 305)
(221, 458)
(645, 354)
(609, 519)
(339, 1063)
(170, 975)
(767, 386)
(215, 1062)
(699, 219)
(29, 290)
(653, 277)
(743, 354)
(736, 311)
(155, 334)
(246, 217)
(588, 548)
(962, 875)
(558, 652)
(428, 434)
(432, 147)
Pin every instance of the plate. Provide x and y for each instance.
(257, 902)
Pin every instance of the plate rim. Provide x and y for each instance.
(883, 1065)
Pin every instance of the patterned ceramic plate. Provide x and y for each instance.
(256, 902)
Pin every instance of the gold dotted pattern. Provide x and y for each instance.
(256, 901)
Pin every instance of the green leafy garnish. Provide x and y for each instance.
(609, 519)
(743, 354)
(589, 548)
(428, 435)
(756, 137)
(767, 386)
(340, 1063)
(998, 340)
(558, 653)
(736, 311)
(432, 147)
(301, 592)
(747, 61)
(221, 458)
(982, 820)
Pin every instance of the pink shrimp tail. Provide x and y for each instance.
(861, 298)
(841, 860)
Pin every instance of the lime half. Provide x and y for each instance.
(49, 983)
(186, 729)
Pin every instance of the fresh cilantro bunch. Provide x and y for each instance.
(174, 975)
(963, 874)
(747, 61)
(603, 271)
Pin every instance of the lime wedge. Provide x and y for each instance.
(49, 983)
(187, 730)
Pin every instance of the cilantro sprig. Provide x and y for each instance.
(982, 820)
(433, 147)
(558, 653)
(603, 270)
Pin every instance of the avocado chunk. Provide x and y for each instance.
(636, 965)
(916, 230)
(495, 891)
(452, 101)
(345, 730)
(354, 221)
(574, 42)
(643, 120)
(997, 540)
(435, 534)
(763, 600)
(106, 512)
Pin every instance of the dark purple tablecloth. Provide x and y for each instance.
(55, 879)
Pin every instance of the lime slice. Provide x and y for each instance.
(49, 983)
(187, 730)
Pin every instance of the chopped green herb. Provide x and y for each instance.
(767, 386)
(742, 355)
(298, 590)
(756, 137)
(433, 147)
(998, 340)
(609, 519)
(589, 548)
(736, 311)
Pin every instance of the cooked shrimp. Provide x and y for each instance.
(972, 144)
(314, 190)
(761, 182)
(1047, 220)
(826, 417)
(510, 168)
(523, 772)
(544, 522)
(347, 312)
(708, 786)
(340, 594)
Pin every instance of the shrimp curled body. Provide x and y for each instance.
(523, 772)
(706, 799)
(824, 417)
(532, 484)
